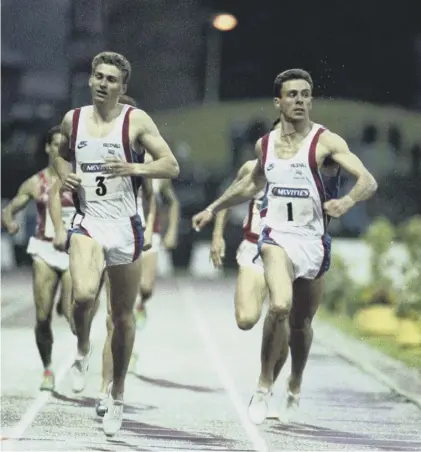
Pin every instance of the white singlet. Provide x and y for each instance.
(41, 246)
(292, 209)
(108, 206)
(98, 195)
(294, 193)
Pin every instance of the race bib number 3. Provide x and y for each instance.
(97, 186)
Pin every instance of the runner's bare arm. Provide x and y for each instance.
(222, 216)
(62, 157)
(366, 185)
(25, 193)
(168, 193)
(150, 201)
(54, 206)
(243, 189)
(220, 223)
(165, 164)
(217, 251)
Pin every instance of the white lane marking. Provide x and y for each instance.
(43, 398)
(188, 294)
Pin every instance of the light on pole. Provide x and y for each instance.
(218, 23)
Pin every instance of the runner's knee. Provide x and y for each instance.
(280, 307)
(85, 292)
(246, 313)
(246, 320)
(86, 264)
(279, 283)
(280, 300)
(123, 319)
(43, 315)
(300, 322)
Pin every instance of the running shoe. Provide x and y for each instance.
(259, 405)
(79, 369)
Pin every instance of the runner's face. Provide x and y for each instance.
(295, 100)
(53, 147)
(106, 83)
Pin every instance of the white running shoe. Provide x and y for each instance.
(113, 418)
(79, 369)
(101, 404)
(293, 400)
(291, 404)
(259, 404)
(273, 410)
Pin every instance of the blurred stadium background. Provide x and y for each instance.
(210, 91)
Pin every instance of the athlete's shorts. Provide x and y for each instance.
(156, 243)
(246, 253)
(121, 239)
(44, 250)
(310, 256)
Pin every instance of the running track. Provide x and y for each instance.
(194, 380)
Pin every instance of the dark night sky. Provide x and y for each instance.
(41, 37)
(353, 49)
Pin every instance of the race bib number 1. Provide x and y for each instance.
(297, 212)
(292, 210)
